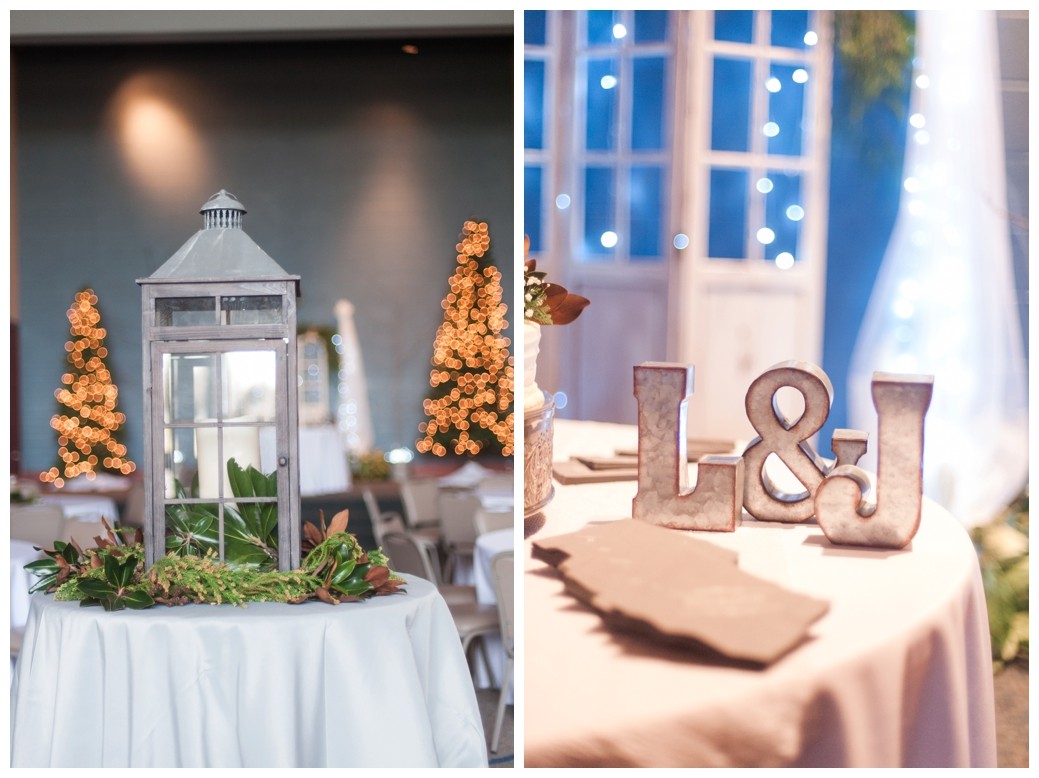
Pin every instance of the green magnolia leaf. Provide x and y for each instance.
(138, 600)
(93, 587)
(344, 572)
(235, 526)
(68, 551)
(113, 604)
(353, 588)
(268, 521)
(113, 571)
(244, 553)
(125, 571)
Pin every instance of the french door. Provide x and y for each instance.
(676, 176)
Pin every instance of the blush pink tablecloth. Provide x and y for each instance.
(897, 673)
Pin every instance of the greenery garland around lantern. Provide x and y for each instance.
(112, 574)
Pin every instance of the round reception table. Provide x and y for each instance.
(379, 683)
(897, 672)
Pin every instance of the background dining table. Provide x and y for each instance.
(897, 673)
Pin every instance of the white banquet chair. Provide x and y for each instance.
(502, 569)
(40, 523)
(409, 554)
(382, 521)
(419, 498)
(458, 532)
(489, 521)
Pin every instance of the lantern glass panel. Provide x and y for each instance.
(180, 463)
(251, 309)
(190, 387)
(185, 311)
(248, 388)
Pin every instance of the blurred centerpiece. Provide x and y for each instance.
(544, 303)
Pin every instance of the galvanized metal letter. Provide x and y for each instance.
(662, 390)
(777, 435)
(844, 507)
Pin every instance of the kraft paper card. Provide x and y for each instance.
(673, 588)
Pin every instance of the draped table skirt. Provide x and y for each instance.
(376, 683)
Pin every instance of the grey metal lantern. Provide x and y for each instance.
(219, 339)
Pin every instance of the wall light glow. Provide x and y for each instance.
(159, 145)
(608, 82)
(811, 38)
(773, 85)
(608, 239)
(770, 130)
(681, 241)
(619, 31)
(765, 235)
(764, 185)
(800, 76)
(795, 213)
(563, 201)
(784, 260)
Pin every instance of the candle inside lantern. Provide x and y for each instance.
(240, 443)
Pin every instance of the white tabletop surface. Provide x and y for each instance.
(377, 683)
(897, 673)
(84, 507)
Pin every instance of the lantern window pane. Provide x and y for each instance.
(185, 311)
(189, 388)
(248, 390)
(180, 464)
(251, 309)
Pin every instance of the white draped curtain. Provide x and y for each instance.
(944, 300)
(353, 414)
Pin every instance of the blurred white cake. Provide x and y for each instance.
(533, 398)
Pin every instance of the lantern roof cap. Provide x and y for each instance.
(221, 251)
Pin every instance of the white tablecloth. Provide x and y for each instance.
(323, 467)
(378, 683)
(897, 673)
(22, 553)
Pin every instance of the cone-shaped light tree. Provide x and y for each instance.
(87, 421)
(470, 405)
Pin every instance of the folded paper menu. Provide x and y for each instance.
(674, 588)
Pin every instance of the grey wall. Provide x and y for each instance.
(357, 163)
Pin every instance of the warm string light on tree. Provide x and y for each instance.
(470, 406)
(87, 420)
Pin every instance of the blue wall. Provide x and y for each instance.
(358, 165)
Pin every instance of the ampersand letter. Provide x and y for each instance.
(787, 440)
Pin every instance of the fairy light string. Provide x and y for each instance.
(87, 421)
(472, 380)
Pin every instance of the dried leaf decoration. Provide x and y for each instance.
(543, 301)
